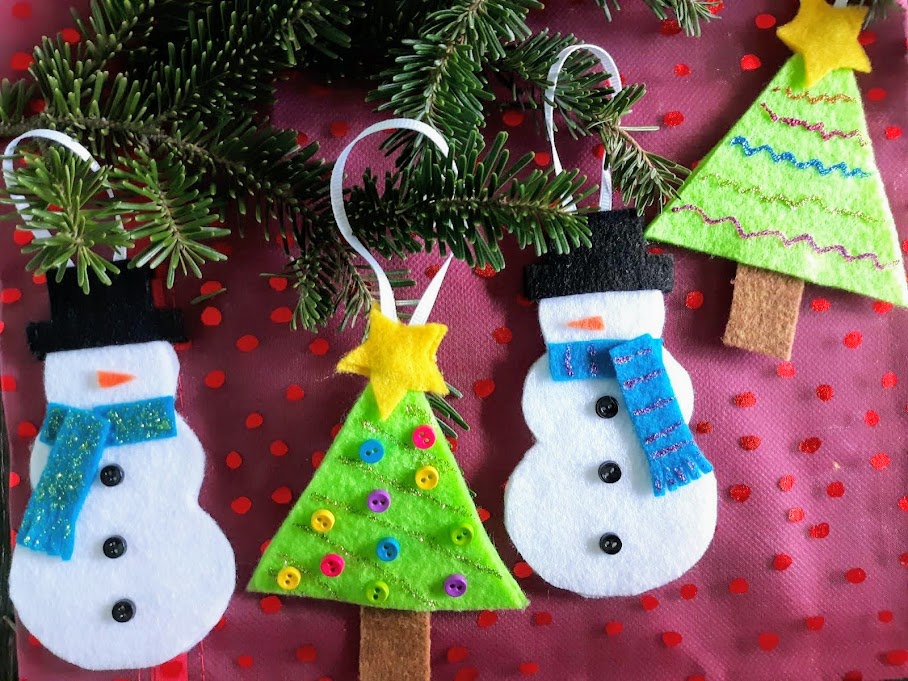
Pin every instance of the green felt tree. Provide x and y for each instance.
(387, 521)
(794, 189)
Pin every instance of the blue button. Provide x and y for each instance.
(371, 451)
(388, 549)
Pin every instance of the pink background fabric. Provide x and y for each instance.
(736, 617)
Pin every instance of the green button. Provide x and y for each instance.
(462, 534)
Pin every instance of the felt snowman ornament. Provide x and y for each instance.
(615, 498)
(116, 565)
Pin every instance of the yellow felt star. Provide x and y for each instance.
(827, 38)
(397, 358)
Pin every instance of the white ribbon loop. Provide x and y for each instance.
(385, 292)
(605, 184)
(68, 142)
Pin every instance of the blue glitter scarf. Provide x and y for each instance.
(674, 458)
(77, 438)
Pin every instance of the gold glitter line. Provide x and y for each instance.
(826, 99)
(399, 487)
(767, 198)
(427, 541)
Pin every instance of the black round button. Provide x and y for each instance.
(609, 472)
(114, 547)
(111, 475)
(123, 611)
(606, 407)
(610, 543)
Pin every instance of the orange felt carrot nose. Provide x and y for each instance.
(588, 323)
(110, 379)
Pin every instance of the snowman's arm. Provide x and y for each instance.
(40, 452)
(681, 383)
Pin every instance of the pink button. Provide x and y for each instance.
(332, 565)
(423, 437)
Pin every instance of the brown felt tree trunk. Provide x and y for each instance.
(393, 645)
(764, 312)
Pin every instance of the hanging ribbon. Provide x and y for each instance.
(385, 292)
(66, 141)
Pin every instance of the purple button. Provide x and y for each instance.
(456, 586)
(378, 501)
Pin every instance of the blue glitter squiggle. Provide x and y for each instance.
(743, 142)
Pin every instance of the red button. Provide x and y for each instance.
(423, 437)
(332, 565)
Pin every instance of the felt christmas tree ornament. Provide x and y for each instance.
(116, 566)
(793, 193)
(615, 498)
(387, 521)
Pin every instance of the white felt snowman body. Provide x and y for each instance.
(142, 542)
(587, 476)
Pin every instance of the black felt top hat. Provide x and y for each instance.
(118, 314)
(616, 261)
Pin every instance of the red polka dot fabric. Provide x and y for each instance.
(806, 576)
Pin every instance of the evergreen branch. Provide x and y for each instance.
(15, 100)
(689, 13)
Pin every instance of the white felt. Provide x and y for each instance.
(625, 315)
(556, 506)
(179, 568)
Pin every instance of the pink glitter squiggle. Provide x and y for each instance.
(816, 127)
(801, 238)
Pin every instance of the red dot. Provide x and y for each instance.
(466, 674)
(542, 619)
(796, 514)
(893, 132)
(785, 370)
(880, 460)
(210, 287)
(483, 514)
(738, 586)
(693, 300)
(21, 61)
(245, 661)
(855, 575)
(254, 420)
(739, 493)
(281, 315)
(810, 445)
(835, 489)
(814, 623)
(782, 561)
(234, 460)
(7, 383)
(750, 62)
(669, 27)
(704, 427)
(10, 295)
(335, 429)
(896, 658)
(682, 70)
(903, 559)
(673, 119)
(522, 570)
(786, 482)
(820, 305)
(696, 677)
(39, 279)
(26, 429)
(903, 503)
(486, 271)
(853, 339)
(542, 158)
(279, 448)
(513, 118)
(876, 94)
(317, 458)
(241, 505)
(885, 616)
(23, 237)
(215, 379)
(70, 36)
(295, 393)
(613, 628)
(270, 605)
(14, 479)
(689, 591)
(22, 10)
(749, 442)
(671, 638)
(528, 668)
(867, 37)
(302, 139)
(211, 316)
(457, 654)
(819, 531)
(853, 676)
(747, 399)
(768, 640)
(889, 380)
(319, 347)
(247, 343)
(486, 619)
(339, 128)
(871, 418)
(278, 283)
(648, 602)
(765, 21)
(882, 307)
(484, 387)
(825, 392)
(503, 335)
(282, 495)
(599, 151)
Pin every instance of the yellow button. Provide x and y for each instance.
(426, 477)
(322, 520)
(462, 534)
(377, 592)
(289, 578)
